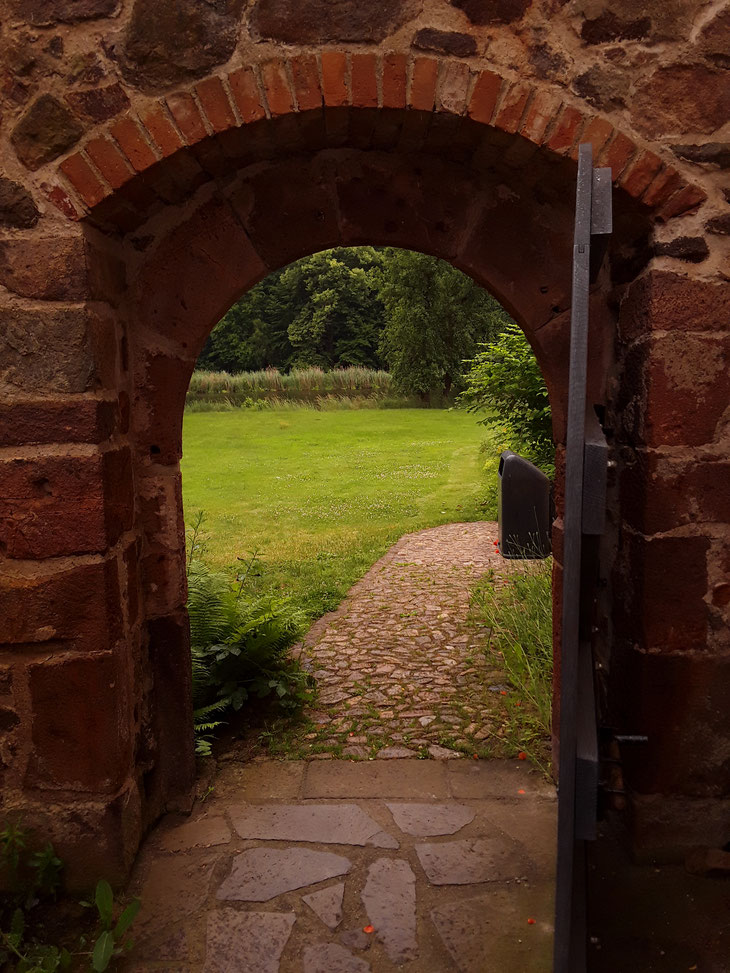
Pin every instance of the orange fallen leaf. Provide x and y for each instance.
(503, 692)
(530, 922)
(522, 755)
(368, 929)
(520, 791)
(476, 756)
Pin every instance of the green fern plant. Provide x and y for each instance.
(240, 648)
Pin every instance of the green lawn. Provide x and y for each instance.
(320, 496)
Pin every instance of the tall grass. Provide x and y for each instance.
(517, 611)
(307, 385)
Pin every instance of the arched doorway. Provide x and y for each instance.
(190, 201)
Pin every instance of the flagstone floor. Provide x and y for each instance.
(353, 866)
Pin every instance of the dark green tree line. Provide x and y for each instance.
(373, 306)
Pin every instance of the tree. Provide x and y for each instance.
(434, 316)
(339, 315)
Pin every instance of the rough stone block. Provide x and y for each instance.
(45, 131)
(158, 34)
(45, 351)
(664, 582)
(49, 268)
(685, 754)
(74, 608)
(80, 736)
(17, 208)
(54, 506)
(663, 301)
(320, 21)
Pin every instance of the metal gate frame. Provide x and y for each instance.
(583, 521)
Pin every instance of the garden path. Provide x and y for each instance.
(400, 665)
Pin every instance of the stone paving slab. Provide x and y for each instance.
(246, 942)
(260, 874)
(338, 824)
(389, 898)
(327, 904)
(331, 958)
(491, 933)
(415, 779)
(429, 820)
(470, 862)
(500, 779)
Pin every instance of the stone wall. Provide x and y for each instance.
(160, 158)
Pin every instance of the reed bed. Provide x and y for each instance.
(312, 387)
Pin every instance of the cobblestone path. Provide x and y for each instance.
(400, 666)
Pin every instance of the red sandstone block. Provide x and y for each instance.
(187, 116)
(246, 94)
(394, 80)
(75, 607)
(566, 130)
(685, 200)
(214, 102)
(513, 106)
(58, 505)
(161, 131)
(598, 131)
(453, 87)
(82, 744)
(637, 177)
(617, 154)
(423, 83)
(83, 420)
(276, 87)
(680, 387)
(663, 301)
(334, 78)
(664, 185)
(133, 143)
(83, 178)
(109, 161)
(306, 82)
(364, 80)
(544, 108)
(664, 609)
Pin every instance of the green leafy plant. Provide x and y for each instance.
(505, 382)
(33, 878)
(112, 940)
(240, 649)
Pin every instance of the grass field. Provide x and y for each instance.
(320, 496)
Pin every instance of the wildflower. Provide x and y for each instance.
(368, 929)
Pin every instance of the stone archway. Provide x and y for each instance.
(183, 202)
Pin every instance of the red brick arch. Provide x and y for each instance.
(220, 107)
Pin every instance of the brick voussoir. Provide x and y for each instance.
(334, 78)
(216, 106)
(277, 90)
(84, 180)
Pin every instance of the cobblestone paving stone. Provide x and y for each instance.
(400, 665)
(215, 901)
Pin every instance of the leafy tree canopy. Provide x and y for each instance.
(371, 306)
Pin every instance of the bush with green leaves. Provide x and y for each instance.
(504, 381)
(240, 649)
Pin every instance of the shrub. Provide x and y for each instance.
(240, 648)
(504, 381)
